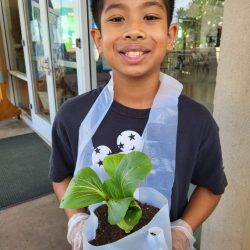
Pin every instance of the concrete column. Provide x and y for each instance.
(227, 228)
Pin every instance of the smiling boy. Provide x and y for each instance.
(134, 36)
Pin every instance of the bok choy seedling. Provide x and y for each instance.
(125, 172)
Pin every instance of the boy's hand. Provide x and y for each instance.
(182, 235)
(75, 230)
(179, 240)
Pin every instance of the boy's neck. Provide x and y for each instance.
(137, 93)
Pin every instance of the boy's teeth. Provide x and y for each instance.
(134, 53)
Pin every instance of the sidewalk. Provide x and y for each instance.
(35, 225)
(13, 127)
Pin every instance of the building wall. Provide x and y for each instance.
(227, 228)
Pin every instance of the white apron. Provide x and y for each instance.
(159, 136)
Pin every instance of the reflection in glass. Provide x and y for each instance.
(22, 94)
(37, 58)
(194, 59)
(63, 45)
(13, 27)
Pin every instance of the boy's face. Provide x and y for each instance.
(134, 36)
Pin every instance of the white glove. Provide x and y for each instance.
(182, 235)
(75, 230)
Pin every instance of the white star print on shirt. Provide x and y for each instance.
(99, 154)
(129, 141)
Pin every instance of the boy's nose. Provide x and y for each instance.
(134, 35)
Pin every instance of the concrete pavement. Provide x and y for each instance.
(35, 225)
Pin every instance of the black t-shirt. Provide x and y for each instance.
(198, 151)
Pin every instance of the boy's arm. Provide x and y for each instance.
(201, 204)
(59, 189)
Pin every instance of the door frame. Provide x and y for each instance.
(7, 53)
(83, 54)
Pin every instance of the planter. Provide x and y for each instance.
(107, 233)
(155, 235)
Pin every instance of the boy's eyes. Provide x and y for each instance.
(151, 18)
(116, 19)
(121, 19)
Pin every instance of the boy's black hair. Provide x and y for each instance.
(97, 8)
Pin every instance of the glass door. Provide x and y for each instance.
(63, 44)
(69, 45)
(38, 64)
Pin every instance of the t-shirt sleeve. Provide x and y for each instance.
(61, 159)
(209, 169)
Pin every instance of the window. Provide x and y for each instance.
(195, 57)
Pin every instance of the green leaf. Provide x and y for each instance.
(132, 217)
(111, 162)
(112, 189)
(84, 189)
(117, 209)
(133, 168)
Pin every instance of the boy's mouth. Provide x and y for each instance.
(134, 51)
(133, 55)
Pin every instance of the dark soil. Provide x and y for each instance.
(107, 233)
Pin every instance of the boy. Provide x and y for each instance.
(134, 36)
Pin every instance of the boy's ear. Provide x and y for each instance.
(172, 31)
(97, 38)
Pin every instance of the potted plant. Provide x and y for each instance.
(122, 213)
